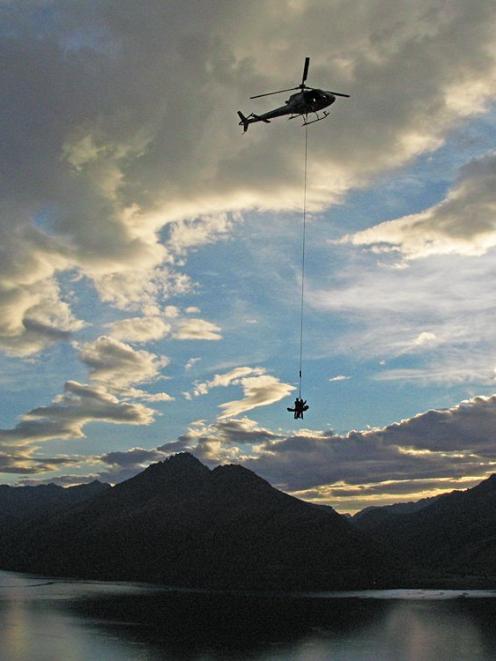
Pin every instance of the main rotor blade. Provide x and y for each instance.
(290, 89)
(305, 70)
(338, 94)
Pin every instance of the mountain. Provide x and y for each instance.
(180, 523)
(372, 518)
(20, 505)
(454, 534)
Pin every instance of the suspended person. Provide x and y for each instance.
(300, 405)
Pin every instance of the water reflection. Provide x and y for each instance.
(50, 620)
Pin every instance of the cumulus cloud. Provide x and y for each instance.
(257, 391)
(192, 233)
(118, 364)
(233, 377)
(67, 415)
(196, 329)
(33, 316)
(100, 184)
(139, 329)
(228, 440)
(464, 223)
(141, 289)
(114, 366)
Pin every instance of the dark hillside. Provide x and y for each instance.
(180, 523)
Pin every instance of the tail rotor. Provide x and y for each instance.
(244, 121)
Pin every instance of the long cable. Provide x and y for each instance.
(303, 262)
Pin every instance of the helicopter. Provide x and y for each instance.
(307, 100)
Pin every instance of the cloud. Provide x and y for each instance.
(71, 480)
(191, 362)
(233, 377)
(23, 462)
(192, 233)
(171, 311)
(424, 338)
(227, 440)
(424, 455)
(464, 223)
(434, 445)
(136, 393)
(117, 467)
(135, 458)
(118, 364)
(114, 366)
(451, 367)
(68, 413)
(99, 185)
(258, 391)
(139, 329)
(439, 309)
(196, 329)
(339, 377)
(33, 317)
(354, 499)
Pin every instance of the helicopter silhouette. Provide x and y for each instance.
(307, 100)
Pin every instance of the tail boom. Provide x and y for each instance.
(246, 121)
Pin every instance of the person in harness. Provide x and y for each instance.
(300, 405)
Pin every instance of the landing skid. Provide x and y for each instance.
(319, 119)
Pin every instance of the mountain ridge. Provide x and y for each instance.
(455, 533)
(178, 522)
(181, 523)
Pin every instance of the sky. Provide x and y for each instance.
(150, 252)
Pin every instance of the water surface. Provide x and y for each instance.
(50, 619)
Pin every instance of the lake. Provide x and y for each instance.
(45, 619)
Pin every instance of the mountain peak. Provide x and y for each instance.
(181, 468)
(182, 461)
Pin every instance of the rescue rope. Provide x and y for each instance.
(303, 262)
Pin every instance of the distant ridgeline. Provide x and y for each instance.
(182, 524)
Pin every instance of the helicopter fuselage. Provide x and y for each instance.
(301, 103)
(307, 100)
